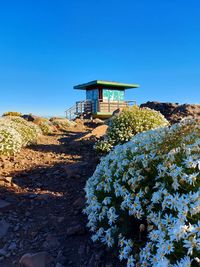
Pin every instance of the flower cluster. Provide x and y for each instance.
(129, 122)
(144, 198)
(10, 141)
(45, 125)
(27, 131)
(15, 132)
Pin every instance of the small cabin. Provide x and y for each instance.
(101, 100)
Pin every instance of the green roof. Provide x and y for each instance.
(85, 86)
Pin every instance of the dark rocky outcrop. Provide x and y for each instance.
(174, 112)
(29, 117)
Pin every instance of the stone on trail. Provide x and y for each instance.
(75, 230)
(4, 205)
(72, 170)
(59, 265)
(98, 132)
(40, 259)
(3, 228)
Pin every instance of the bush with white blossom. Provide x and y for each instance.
(17, 133)
(129, 122)
(144, 198)
(28, 132)
(10, 141)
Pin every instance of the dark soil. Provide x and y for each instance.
(43, 187)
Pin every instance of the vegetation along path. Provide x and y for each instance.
(41, 201)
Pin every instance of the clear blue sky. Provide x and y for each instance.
(47, 47)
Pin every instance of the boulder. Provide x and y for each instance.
(174, 112)
(29, 117)
(40, 259)
(185, 110)
(165, 109)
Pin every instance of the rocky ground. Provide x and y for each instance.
(175, 112)
(41, 201)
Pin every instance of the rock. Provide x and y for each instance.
(98, 121)
(174, 112)
(4, 226)
(12, 246)
(185, 110)
(29, 117)
(59, 265)
(60, 258)
(79, 203)
(40, 259)
(2, 182)
(8, 179)
(60, 219)
(3, 252)
(79, 121)
(117, 112)
(164, 108)
(75, 230)
(44, 196)
(51, 241)
(98, 132)
(81, 250)
(108, 264)
(74, 169)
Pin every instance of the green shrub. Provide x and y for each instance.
(12, 113)
(129, 122)
(28, 132)
(144, 198)
(62, 123)
(45, 125)
(10, 140)
(35, 128)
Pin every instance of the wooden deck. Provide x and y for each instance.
(97, 108)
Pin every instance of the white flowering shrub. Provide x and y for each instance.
(144, 198)
(62, 123)
(26, 130)
(45, 127)
(29, 133)
(35, 128)
(10, 141)
(129, 122)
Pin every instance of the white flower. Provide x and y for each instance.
(112, 216)
(191, 244)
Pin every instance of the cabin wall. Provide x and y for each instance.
(92, 94)
(105, 100)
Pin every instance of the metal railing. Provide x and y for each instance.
(79, 109)
(93, 106)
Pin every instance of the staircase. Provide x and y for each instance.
(81, 108)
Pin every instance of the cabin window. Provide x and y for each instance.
(113, 95)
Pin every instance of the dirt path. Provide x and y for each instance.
(41, 201)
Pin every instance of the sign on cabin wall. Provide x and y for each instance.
(92, 94)
(113, 95)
